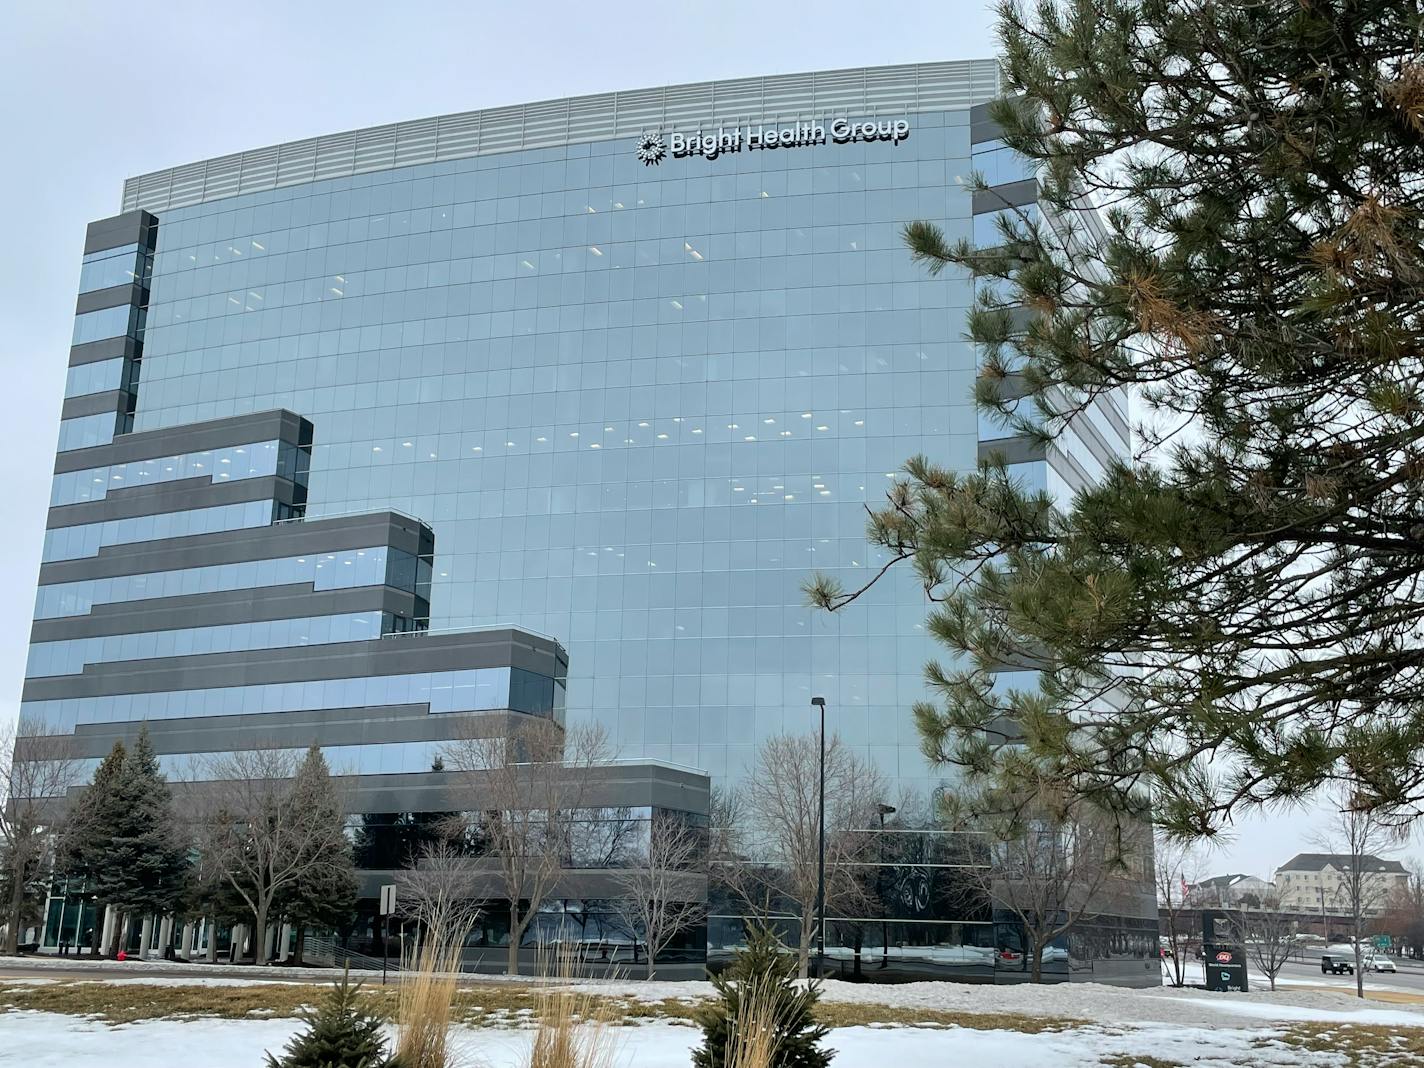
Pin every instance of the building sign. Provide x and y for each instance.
(653, 148)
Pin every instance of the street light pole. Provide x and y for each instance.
(820, 703)
(885, 810)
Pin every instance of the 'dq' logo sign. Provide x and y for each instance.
(1223, 957)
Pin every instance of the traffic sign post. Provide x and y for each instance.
(388, 906)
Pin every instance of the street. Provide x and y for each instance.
(1410, 977)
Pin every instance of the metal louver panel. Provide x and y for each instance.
(457, 135)
(415, 142)
(375, 149)
(296, 162)
(875, 91)
(336, 155)
(258, 170)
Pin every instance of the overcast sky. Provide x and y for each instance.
(93, 93)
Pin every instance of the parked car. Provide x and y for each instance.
(1337, 965)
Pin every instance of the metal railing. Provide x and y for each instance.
(305, 518)
(327, 951)
(473, 630)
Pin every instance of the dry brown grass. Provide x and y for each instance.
(475, 1004)
(1362, 1046)
(754, 1040)
(573, 1024)
(425, 998)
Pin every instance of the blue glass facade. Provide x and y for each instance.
(641, 404)
(642, 361)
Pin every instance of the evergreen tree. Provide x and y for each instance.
(339, 1034)
(765, 968)
(323, 892)
(83, 844)
(145, 861)
(274, 823)
(1232, 616)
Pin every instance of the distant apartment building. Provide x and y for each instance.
(1319, 880)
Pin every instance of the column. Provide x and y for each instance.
(145, 936)
(269, 943)
(188, 941)
(239, 936)
(107, 937)
(211, 930)
(284, 940)
(165, 935)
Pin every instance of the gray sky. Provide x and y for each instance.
(96, 92)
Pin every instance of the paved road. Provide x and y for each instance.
(1409, 977)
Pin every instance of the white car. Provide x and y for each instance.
(1381, 964)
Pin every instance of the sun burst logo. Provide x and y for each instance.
(651, 149)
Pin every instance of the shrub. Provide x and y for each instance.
(339, 1034)
(763, 1017)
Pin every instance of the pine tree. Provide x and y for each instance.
(1231, 617)
(323, 893)
(339, 1034)
(764, 966)
(83, 851)
(145, 861)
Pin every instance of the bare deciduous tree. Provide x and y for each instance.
(1055, 865)
(779, 850)
(526, 784)
(1270, 937)
(1358, 839)
(1177, 865)
(663, 886)
(266, 831)
(37, 767)
(441, 891)
(1404, 912)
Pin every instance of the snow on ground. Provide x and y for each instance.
(1083, 1001)
(43, 1040)
(184, 980)
(1080, 1001)
(1261, 1010)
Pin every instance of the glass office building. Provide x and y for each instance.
(640, 361)
(640, 397)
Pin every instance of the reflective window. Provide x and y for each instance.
(230, 463)
(99, 377)
(69, 657)
(473, 690)
(375, 566)
(86, 539)
(87, 431)
(639, 405)
(114, 267)
(105, 323)
(384, 758)
(1000, 164)
(988, 227)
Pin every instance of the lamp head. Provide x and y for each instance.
(819, 702)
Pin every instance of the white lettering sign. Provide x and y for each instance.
(710, 144)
